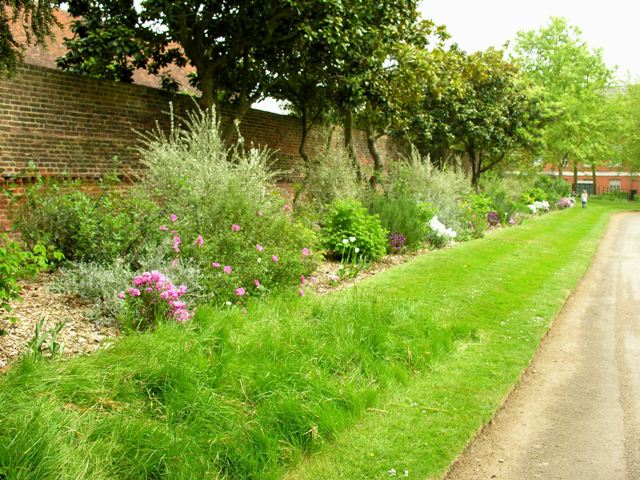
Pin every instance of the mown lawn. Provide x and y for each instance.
(396, 373)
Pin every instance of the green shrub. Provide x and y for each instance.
(554, 188)
(17, 262)
(83, 227)
(352, 234)
(506, 193)
(445, 190)
(331, 176)
(536, 194)
(477, 206)
(403, 215)
(209, 188)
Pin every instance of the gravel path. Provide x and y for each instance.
(576, 413)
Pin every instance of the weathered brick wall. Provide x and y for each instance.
(66, 124)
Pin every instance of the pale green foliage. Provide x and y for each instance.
(445, 189)
(192, 171)
(332, 176)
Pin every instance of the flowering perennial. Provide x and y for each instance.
(438, 227)
(155, 290)
(537, 207)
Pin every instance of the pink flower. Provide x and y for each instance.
(301, 292)
(305, 252)
(274, 258)
(287, 207)
(173, 217)
(240, 291)
(259, 247)
(215, 265)
(121, 295)
(260, 213)
(199, 241)
(227, 269)
(256, 282)
(149, 290)
(174, 262)
(182, 289)
(176, 243)
(235, 227)
(134, 292)
(164, 228)
(303, 280)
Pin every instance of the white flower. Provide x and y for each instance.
(392, 472)
(345, 241)
(259, 260)
(229, 304)
(352, 239)
(357, 249)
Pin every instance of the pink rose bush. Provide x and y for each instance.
(154, 297)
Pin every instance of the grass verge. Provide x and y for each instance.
(398, 372)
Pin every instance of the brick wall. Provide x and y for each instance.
(73, 125)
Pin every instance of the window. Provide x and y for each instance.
(614, 185)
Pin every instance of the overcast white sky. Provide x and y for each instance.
(611, 25)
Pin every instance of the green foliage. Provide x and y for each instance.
(445, 190)
(351, 233)
(33, 18)
(46, 339)
(477, 206)
(331, 176)
(17, 262)
(536, 194)
(554, 188)
(92, 228)
(212, 190)
(402, 214)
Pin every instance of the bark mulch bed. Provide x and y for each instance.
(81, 336)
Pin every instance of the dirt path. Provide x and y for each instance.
(576, 413)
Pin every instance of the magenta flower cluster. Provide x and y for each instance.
(153, 288)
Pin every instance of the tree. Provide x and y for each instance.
(571, 75)
(37, 21)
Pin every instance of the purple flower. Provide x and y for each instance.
(227, 269)
(235, 227)
(305, 252)
(259, 247)
(301, 292)
(240, 291)
(173, 217)
(274, 258)
(215, 265)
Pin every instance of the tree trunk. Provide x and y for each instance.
(348, 142)
(476, 167)
(305, 157)
(378, 165)
(575, 175)
(593, 175)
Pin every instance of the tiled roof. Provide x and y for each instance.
(46, 56)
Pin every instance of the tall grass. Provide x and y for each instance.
(232, 395)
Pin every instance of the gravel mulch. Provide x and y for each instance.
(78, 336)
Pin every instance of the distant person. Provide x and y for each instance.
(584, 197)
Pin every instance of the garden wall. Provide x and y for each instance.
(66, 124)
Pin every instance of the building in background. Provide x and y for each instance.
(607, 179)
